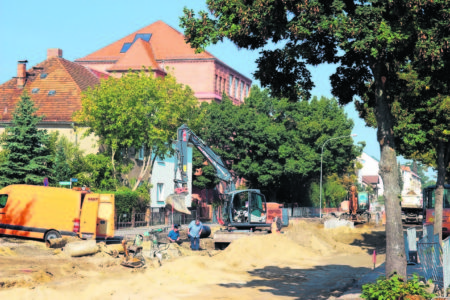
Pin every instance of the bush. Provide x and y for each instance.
(126, 200)
(395, 288)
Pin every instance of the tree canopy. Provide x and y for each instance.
(137, 111)
(276, 144)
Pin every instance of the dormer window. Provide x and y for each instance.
(35, 91)
(44, 75)
(51, 92)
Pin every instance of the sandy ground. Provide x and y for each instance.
(306, 262)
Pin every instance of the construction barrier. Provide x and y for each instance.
(427, 233)
(411, 245)
(431, 259)
(446, 264)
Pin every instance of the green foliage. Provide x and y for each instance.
(395, 288)
(61, 168)
(135, 111)
(125, 201)
(333, 192)
(97, 173)
(208, 178)
(276, 144)
(27, 157)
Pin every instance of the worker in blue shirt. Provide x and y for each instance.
(194, 232)
(174, 235)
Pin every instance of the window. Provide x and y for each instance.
(51, 92)
(141, 153)
(236, 87)
(230, 85)
(35, 91)
(246, 91)
(3, 200)
(160, 192)
(224, 84)
(144, 36)
(44, 75)
(220, 84)
(241, 94)
(215, 85)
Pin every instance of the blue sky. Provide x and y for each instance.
(28, 28)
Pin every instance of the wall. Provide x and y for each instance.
(163, 172)
(370, 167)
(88, 144)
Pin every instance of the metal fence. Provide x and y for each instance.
(446, 264)
(431, 260)
(156, 216)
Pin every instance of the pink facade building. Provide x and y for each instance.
(159, 48)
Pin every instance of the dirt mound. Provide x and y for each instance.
(326, 242)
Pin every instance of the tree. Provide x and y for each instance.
(27, 157)
(137, 111)
(61, 168)
(400, 176)
(371, 41)
(275, 144)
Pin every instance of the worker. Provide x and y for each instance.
(174, 235)
(276, 225)
(194, 232)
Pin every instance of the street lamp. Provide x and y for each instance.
(321, 156)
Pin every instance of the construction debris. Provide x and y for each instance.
(81, 248)
(60, 242)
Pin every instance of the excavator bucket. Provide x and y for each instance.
(177, 201)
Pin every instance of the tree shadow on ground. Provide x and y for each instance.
(319, 282)
(375, 240)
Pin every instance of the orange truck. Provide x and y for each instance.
(47, 212)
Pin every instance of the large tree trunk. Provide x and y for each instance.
(395, 248)
(442, 163)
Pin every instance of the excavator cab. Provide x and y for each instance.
(245, 209)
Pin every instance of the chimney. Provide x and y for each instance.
(21, 73)
(54, 52)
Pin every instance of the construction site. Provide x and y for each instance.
(304, 261)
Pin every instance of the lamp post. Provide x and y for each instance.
(321, 163)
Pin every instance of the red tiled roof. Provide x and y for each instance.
(168, 43)
(371, 179)
(405, 168)
(139, 56)
(66, 78)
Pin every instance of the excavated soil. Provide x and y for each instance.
(305, 262)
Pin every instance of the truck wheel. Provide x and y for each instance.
(52, 234)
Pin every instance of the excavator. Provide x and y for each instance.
(244, 212)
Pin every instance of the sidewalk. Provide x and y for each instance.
(354, 292)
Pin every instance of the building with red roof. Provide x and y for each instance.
(55, 86)
(159, 48)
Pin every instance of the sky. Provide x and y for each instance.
(29, 27)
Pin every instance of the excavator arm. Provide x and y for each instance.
(185, 136)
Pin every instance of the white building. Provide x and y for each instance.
(411, 182)
(162, 180)
(368, 174)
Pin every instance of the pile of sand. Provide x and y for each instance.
(325, 242)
